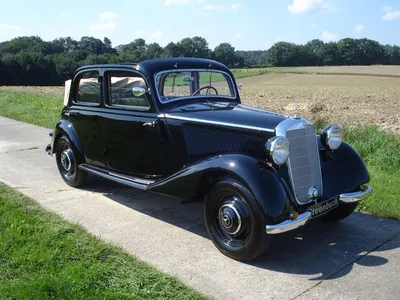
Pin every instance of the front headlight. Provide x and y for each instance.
(332, 137)
(278, 148)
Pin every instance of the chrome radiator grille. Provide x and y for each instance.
(303, 162)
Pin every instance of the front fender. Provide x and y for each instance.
(343, 171)
(260, 178)
(64, 127)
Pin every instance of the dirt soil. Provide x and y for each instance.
(384, 71)
(341, 99)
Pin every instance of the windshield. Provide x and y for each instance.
(173, 85)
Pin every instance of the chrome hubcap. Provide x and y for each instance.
(66, 159)
(230, 219)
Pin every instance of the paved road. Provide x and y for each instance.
(354, 259)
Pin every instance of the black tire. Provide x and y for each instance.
(244, 242)
(67, 163)
(343, 211)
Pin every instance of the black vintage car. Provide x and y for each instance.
(177, 127)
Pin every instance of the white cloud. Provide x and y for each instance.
(10, 29)
(302, 6)
(106, 22)
(201, 1)
(156, 33)
(63, 15)
(209, 6)
(387, 8)
(175, 2)
(238, 35)
(330, 36)
(236, 7)
(360, 28)
(394, 15)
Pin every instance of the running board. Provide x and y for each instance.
(120, 178)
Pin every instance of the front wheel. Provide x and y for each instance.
(234, 221)
(67, 165)
(341, 212)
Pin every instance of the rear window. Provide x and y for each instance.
(89, 89)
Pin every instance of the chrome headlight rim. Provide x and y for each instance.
(332, 137)
(278, 149)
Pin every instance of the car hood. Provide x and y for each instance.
(222, 113)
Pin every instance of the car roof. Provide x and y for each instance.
(152, 66)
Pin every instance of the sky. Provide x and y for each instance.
(245, 24)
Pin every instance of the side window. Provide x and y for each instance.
(88, 89)
(121, 90)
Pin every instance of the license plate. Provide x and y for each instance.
(324, 207)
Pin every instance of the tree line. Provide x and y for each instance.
(32, 61)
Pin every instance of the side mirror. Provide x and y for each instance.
(239, 85)
(138, 91)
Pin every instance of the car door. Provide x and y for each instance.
(133, 135)
(85, 114)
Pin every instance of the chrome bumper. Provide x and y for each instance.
(289, 225)
(364, 193)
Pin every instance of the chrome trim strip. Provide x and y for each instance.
(113, 178)
(215, 123)
(232, 85)
(289, 225)
(364, 193)
(138, 180)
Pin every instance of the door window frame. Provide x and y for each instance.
(107, 95)
(75, 88)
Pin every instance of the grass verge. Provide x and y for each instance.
(242, 73)
(45, 257)
(34, 108)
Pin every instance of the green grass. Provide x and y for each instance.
(241, 73)
(381, 153)
(45, 257)
(42, 110)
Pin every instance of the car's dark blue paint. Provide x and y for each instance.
(342, 171)
(190, 140)
(64, 127)
(261, 179)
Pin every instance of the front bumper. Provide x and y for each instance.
(364, 192)
(289, 225)
(302, 219)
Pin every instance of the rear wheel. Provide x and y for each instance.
(67, 165)
(343, 211)
(234, 221)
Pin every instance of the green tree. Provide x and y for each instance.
(225, 53)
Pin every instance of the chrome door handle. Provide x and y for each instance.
(150, 124)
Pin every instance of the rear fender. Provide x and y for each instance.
(64, 127)
(260, 178)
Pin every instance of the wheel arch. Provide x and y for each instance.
(196, 180)
(65, 128)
